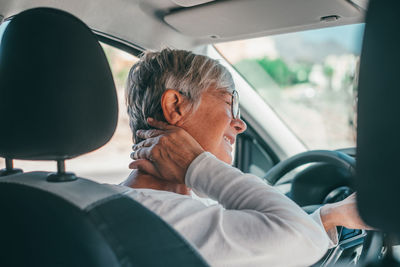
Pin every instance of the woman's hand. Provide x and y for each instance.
(343, 213)
(166, 152)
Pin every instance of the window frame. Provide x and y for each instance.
(243, 149)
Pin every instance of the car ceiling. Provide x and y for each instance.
(185, 24)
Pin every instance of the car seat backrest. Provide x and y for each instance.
(58, 101)
(378, 127)
(82, 223)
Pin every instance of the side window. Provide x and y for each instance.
(252, 155)
(260, 161)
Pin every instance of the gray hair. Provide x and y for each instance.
(155, 72)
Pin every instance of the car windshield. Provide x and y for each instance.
(308, 78)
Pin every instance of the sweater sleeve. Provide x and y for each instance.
(254, 225)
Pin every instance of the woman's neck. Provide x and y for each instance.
(139, 179)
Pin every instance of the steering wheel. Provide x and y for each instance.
(372, 241)
(336, 158)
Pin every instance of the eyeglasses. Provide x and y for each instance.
(235, 105)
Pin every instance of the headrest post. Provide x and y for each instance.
(9, 164)
(9, 170)
(60, 166)
(61, 175)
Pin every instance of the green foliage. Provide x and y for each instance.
(255, 74)
(328, 71)
(278, 70)
(282, 74)
(302, 71)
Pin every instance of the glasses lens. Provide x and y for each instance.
(235, 104)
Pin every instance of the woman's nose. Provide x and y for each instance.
(239, 125)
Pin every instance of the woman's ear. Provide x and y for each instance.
(174, 106)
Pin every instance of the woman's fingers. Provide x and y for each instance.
(145, 166)
(158, 124)
(145, 134)
(160, 128)
(142, 153)
(145, 143)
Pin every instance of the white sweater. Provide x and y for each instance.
(253, 224)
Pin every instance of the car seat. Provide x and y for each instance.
(58, 101)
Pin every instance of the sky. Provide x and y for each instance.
(350, 36)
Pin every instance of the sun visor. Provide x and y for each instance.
(259, 16)
(190, 3)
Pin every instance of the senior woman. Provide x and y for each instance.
(192, 102)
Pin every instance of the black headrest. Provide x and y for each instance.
(57, 94)
(378, 137)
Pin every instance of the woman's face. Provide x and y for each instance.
(212, 124)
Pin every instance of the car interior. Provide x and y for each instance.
(58, 101)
